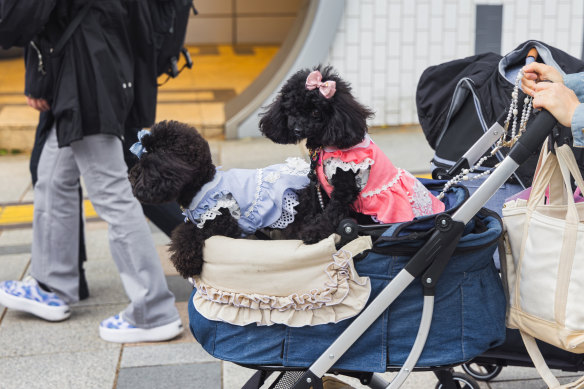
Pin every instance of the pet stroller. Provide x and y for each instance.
(460, 315)
(465, 130)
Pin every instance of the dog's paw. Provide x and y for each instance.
(313, 234)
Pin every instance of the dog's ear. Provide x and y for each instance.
(347, 126)
(274, 123)
(155, 180)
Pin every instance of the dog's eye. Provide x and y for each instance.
(315, 114)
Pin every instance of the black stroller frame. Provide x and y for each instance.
(428, 263)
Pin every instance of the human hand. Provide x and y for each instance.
(38, 104)
(558, 99)
(535, 72)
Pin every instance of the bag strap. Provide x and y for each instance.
(72, 27)
(541, 181)
(569, 160)
(542, 367)
(358, 245)
(538, 361)
(569, 168)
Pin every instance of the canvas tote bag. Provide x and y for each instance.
(544, 265)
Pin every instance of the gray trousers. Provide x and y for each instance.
(55, 249)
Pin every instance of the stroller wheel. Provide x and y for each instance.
(482, 371)
(462, 381)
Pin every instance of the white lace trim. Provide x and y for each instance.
(296, 167)
(420, 200)
(226, 201)
(331, 165)
(384, 187)
(257, 193)
(289, 202)
(272, 177)
(362, 169)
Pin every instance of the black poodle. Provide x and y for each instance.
(355, 174)
(175, 164)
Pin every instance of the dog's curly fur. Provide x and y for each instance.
(340, 121)
(176, 165)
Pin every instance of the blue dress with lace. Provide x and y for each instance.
(257, 198)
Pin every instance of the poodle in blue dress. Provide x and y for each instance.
(175, 164)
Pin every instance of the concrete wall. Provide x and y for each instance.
(241, 21)
(383, 46)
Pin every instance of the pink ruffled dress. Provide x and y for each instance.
(388, 194)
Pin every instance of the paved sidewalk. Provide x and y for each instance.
(70, 354)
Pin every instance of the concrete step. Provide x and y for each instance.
(196, 97)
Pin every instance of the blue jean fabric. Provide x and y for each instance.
(496, 202)
(469, 313)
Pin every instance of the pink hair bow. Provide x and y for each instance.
(327, 88)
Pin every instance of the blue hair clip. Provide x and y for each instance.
(137, 149)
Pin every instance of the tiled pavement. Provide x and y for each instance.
(70, 354)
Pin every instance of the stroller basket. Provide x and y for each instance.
(471, 293)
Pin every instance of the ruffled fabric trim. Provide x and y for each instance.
(421, 200)
(223, 201)
(361, 170)
(402, 199)
(296, 167)
(289, 203)
(332, 164)
(355, 155)
(343, 296)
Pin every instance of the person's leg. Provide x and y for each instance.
(56, 220)
(100, 160)
(45, 123)
(54, 280)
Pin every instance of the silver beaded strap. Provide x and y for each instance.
(502, 142)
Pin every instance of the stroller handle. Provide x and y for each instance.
(530, 141)
(537, 131)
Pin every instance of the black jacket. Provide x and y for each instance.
(104, 79)
(436, 97)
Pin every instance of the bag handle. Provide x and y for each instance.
(569, 168)
(555, 169)
(542, 155)
(72, 27)
(542, 180)
(568, 159)
(542, 367)
(556, 184)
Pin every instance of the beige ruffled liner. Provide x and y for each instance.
(335, 294)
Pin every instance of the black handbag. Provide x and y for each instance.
(43, 58)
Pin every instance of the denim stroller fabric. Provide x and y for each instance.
(468, 319)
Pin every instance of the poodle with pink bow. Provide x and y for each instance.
(357, 178)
